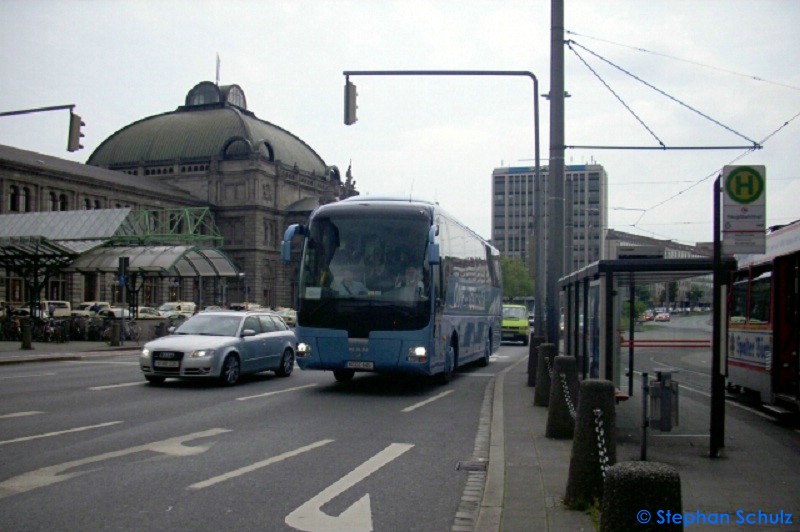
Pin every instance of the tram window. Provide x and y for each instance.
(760, 299)
(739, 302)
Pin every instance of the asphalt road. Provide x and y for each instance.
(692, 364)
(87, 445)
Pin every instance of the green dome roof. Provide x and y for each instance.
(214, 123)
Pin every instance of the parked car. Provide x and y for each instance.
(515, 324)
(147, 313)
(171, 309)
(114, 313)
(89, 308)
(221, 345)
(289, 315)
(662, 316)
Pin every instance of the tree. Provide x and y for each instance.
(517, 281)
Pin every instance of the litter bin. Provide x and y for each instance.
(664, 401)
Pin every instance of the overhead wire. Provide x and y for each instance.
(756, 145)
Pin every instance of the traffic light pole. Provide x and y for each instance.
(75, 123)
(350, 118)
(38, 110)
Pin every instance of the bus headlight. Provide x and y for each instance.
(417, 354)
(303, 350)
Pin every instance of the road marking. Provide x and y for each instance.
(274, 393)
(476, 375)
(121, 385)
(426, 401)
(20, 414)
(28, 376)
(358, 517)
(257, 465)
(57, 473)
(60, 432)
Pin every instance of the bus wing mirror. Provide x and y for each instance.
(286, 245)
(433, 246)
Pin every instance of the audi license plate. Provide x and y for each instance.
(360, 364)
(167, 363)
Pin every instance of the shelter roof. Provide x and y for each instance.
(647, 271)
(83, 241)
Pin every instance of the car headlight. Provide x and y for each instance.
(200, 353)
(304, 348)
(146, 353)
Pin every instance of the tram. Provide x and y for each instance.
(764, 322)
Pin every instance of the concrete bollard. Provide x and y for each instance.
(635, 491)
(544, 368)
(593, 445)
(533, 350)
(563, 398)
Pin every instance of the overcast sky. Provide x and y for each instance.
(735, 61)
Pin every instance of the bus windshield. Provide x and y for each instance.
(364, 274)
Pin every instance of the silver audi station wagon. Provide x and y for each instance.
(222, 345)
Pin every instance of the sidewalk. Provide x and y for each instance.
(758, 471)
(11, 353)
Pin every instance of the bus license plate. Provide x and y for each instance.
(167, 363)
(360, 364)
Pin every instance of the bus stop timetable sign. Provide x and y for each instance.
(744, 209)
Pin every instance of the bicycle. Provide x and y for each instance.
(131, 331)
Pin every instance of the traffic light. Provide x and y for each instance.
(75, 133)
(350, 104)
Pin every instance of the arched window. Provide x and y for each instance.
(63, 203)
(87, 204)
(97, 204)
(13, 199)
(237, 148)
(53, 201)
(25, 200)
(265, 148)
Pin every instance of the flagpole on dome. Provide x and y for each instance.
(217, 69)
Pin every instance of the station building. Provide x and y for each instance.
(209, 175)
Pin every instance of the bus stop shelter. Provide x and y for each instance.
(592, 300)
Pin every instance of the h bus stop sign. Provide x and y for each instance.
(744, 209)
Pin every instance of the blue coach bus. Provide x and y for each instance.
(394, 285)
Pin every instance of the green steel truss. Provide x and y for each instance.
(187, 226)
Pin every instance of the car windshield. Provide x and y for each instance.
(515, 312)
(211, 325)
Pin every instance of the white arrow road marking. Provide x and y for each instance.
(21, 414)
(54, 474)
(60, 432)
(357, 518)
(275, 392)
(257, 465)
(426, 401)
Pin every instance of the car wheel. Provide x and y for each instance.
(231, 371)
(343, 375)
(154, 380)
(287, 364)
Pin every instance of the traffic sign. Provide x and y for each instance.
(744, 209)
